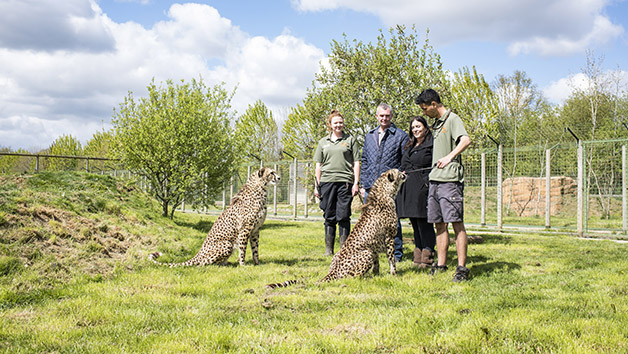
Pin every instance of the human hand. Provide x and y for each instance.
(355, 190)
(443, 162)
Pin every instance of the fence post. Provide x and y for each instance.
(305, 204)
(87, 165)
(580, 215)
(548, 188)
(624, 201)
(294, 209)
(499, 186)
(275, 193)
(224, 196)
(483, 190)
(37, 163)
(231, 190)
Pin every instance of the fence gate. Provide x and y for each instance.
(604, 185)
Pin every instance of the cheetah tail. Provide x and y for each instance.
(327, 278)
(153, 257)
(285, 284)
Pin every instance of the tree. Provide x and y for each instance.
(475, 102)
(65, 145)
(98, 146)
(256, 133)
(359, 77)
(178, 138)
(518, 101)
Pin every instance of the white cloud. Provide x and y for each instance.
(603, 31)
(278, 72)
(50, 90)
(616, 82)
(50, 25)
(547, 27)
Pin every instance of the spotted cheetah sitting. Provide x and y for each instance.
(236, 226)
(373, 233)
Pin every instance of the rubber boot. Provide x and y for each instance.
(418, 260)
(343, 232)
(330, 238)
(427, 258)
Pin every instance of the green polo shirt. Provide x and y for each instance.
(446, 131)
(337, 158)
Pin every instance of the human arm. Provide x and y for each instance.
(463, 142)
(317, 179)
(356, 178)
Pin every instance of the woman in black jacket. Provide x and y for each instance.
(412, 198)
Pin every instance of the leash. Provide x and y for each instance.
(419, 169)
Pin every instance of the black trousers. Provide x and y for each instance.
(335, 202)
(424, 234)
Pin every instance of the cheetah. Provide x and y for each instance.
(373, 233)
(236, 226)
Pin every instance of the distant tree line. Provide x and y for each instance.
(184, 138)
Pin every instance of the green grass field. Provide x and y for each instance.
(79, 282)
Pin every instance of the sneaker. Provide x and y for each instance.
(462, 274)
(438, 269)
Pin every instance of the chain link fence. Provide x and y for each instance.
(575, 187)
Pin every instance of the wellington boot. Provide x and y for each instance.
(330, 238)
(343, 233)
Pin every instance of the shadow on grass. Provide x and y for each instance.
(201, 225)
(277, 226)
(497, 239)
(491, 267)
(289, 261)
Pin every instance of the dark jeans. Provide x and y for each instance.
(398, 237)
(336, 203)
(424, 234)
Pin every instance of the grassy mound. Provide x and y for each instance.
(57, 226)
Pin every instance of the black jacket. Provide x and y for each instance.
(412, 198)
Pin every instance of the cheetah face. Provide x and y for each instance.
(268, 176)
(395, 179)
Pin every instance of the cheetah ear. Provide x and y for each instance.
(391, 176)
(261, 172)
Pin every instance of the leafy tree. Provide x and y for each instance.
(475, 102)
(99, 146)
(306, 125)
(65, 145)
(178, 138)
(358, 78)
(256, 133)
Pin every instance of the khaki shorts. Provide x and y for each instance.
(445, 202)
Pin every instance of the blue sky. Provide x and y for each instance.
(65, 65)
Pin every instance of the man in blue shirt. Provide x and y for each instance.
(383, 148)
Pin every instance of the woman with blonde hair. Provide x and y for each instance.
(337, 173)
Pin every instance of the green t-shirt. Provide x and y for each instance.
(446, 131)
(337, 158)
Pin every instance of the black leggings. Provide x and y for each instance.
(424, 235)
